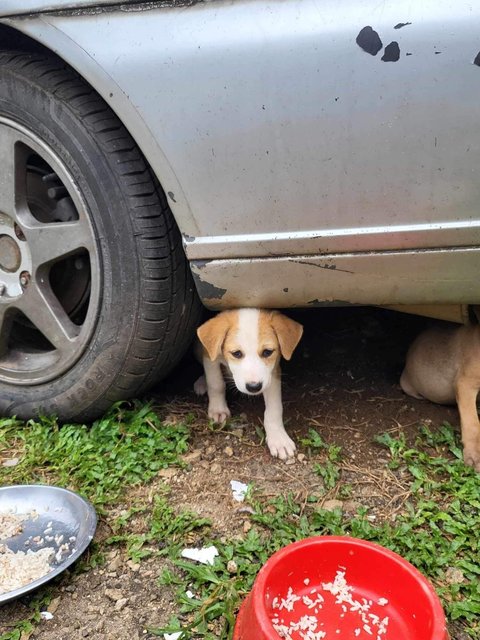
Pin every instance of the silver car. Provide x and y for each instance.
(282, 153)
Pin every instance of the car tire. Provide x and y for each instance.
(97, 300)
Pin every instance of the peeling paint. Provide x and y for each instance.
(63, 9)
(477, 59)
(188, 238)
(207, 290)
(329, 267)
(369, 40)
(330, 303)
(400, 25)
(391, 53)
(171, 195)
(201, 264)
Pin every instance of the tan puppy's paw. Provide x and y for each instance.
(218, 412)
(281, 446)
(471, 455)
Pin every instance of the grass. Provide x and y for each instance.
(436, 530)
(128, 446)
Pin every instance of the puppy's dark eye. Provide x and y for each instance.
(237, 354)
(266, 353)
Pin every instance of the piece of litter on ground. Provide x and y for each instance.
(239, 490)
(189, 594)
(206, 555)
(12, 462)
(172, 636)
(46, 615)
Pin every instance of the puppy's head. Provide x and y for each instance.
(251, 341)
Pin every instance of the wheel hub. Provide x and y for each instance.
(9, 254)
(15, 259)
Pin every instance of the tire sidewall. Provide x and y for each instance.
(54, 121)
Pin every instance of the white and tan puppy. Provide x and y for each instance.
(443, 365)
(249, 344)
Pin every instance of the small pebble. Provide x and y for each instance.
(121, 604)
(232, 566)
(331, 505)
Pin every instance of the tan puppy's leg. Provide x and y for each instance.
(278, 441)
(218, 410)
(467, 393)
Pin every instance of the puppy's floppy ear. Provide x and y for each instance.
(288, 333)
(212, 334)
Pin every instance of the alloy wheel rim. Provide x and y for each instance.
(49, 262)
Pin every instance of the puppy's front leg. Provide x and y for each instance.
(467, 407)
(218, 410)
(278, 440)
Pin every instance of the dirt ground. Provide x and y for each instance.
(343, 381)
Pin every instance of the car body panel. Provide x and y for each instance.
(276, 137)
(384, 279)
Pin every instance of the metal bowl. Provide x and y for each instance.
(70, 518)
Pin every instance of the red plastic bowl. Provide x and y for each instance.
(376, 574)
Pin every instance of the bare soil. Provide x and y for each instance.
(342, 381)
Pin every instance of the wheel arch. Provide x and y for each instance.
(48, 40)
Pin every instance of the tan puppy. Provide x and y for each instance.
(443, 365)
(249, 344)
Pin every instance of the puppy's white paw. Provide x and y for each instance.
(219, 413)
(281, 446)
(200, 386)
(471, 455)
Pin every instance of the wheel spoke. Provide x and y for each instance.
(8, 175)
(50, 242)
(5, 326)
(46, 313)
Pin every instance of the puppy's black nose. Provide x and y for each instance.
(253, 387)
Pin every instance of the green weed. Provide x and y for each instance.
(165, 530)
(328, 469)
